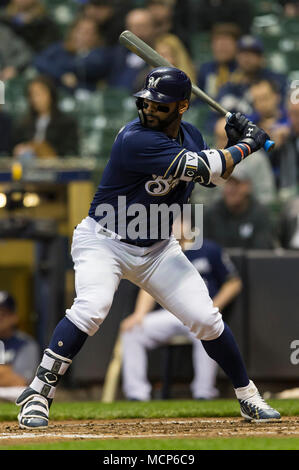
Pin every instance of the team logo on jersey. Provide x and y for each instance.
(160, 186)
(152, 83)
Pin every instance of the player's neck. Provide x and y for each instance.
(173, 129)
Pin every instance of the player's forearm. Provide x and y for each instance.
(211, 167)
(228, 291)
(144, 303)
(232, 156)
(8, 378)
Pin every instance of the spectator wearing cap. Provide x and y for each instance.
(250, 59)
(238, 220)
(19, 352)
(214, 74)
(235, 95)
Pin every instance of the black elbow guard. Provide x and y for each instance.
(192, 167)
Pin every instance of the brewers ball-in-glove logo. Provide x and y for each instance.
(160, 186)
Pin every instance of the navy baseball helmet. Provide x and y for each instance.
(166, 85)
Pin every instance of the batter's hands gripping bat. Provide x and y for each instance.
(150, 56)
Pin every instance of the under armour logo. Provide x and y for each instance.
(249, 131)
(152, 83)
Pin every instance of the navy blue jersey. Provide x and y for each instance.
(21, 352)
(141, 168)
(213, 264)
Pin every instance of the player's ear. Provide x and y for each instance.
(183, 106)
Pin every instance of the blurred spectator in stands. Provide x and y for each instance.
(15, 55)
(80, 62)
(289, 224)
(21, 352)
(216, 73)
(171, 48)
(45, 131)
(30, 20)
(128, 69)
(287, 155)
(235, 95)
(109, 15)
(290, 8)
(238, 220)
(270, 116)
(5, 134)
(211, 12)
(165, 20)
(256, 166)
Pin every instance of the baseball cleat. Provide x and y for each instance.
(34, 413)
(254, 408)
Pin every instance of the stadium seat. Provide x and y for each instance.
(266, 7)
(201, 47)
(15, 101)
(101, 115)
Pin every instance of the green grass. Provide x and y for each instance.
(253, 443)
(156, 409)
(152, 409)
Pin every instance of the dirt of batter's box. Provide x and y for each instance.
(187, 428)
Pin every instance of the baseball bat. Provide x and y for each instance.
(150, 56)
(113, 373)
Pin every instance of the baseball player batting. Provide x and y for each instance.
(155, 159)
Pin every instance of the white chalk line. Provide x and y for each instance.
(81, 436)
(30, 435)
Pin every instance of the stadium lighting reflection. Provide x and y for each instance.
(3, 200)
(31, 200)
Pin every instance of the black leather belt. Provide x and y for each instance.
(141, 244)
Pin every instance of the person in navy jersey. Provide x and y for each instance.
(132, 155)
(20, 351)
(154, 163)
(235, 94)
(146, 328)
(78, 63)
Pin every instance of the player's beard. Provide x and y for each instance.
(164, 123)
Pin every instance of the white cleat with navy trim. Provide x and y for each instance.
(34, 413)
(253, 406)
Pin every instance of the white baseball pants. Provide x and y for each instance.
(162, 270)
(156, 329)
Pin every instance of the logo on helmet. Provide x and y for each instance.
(153, 83)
